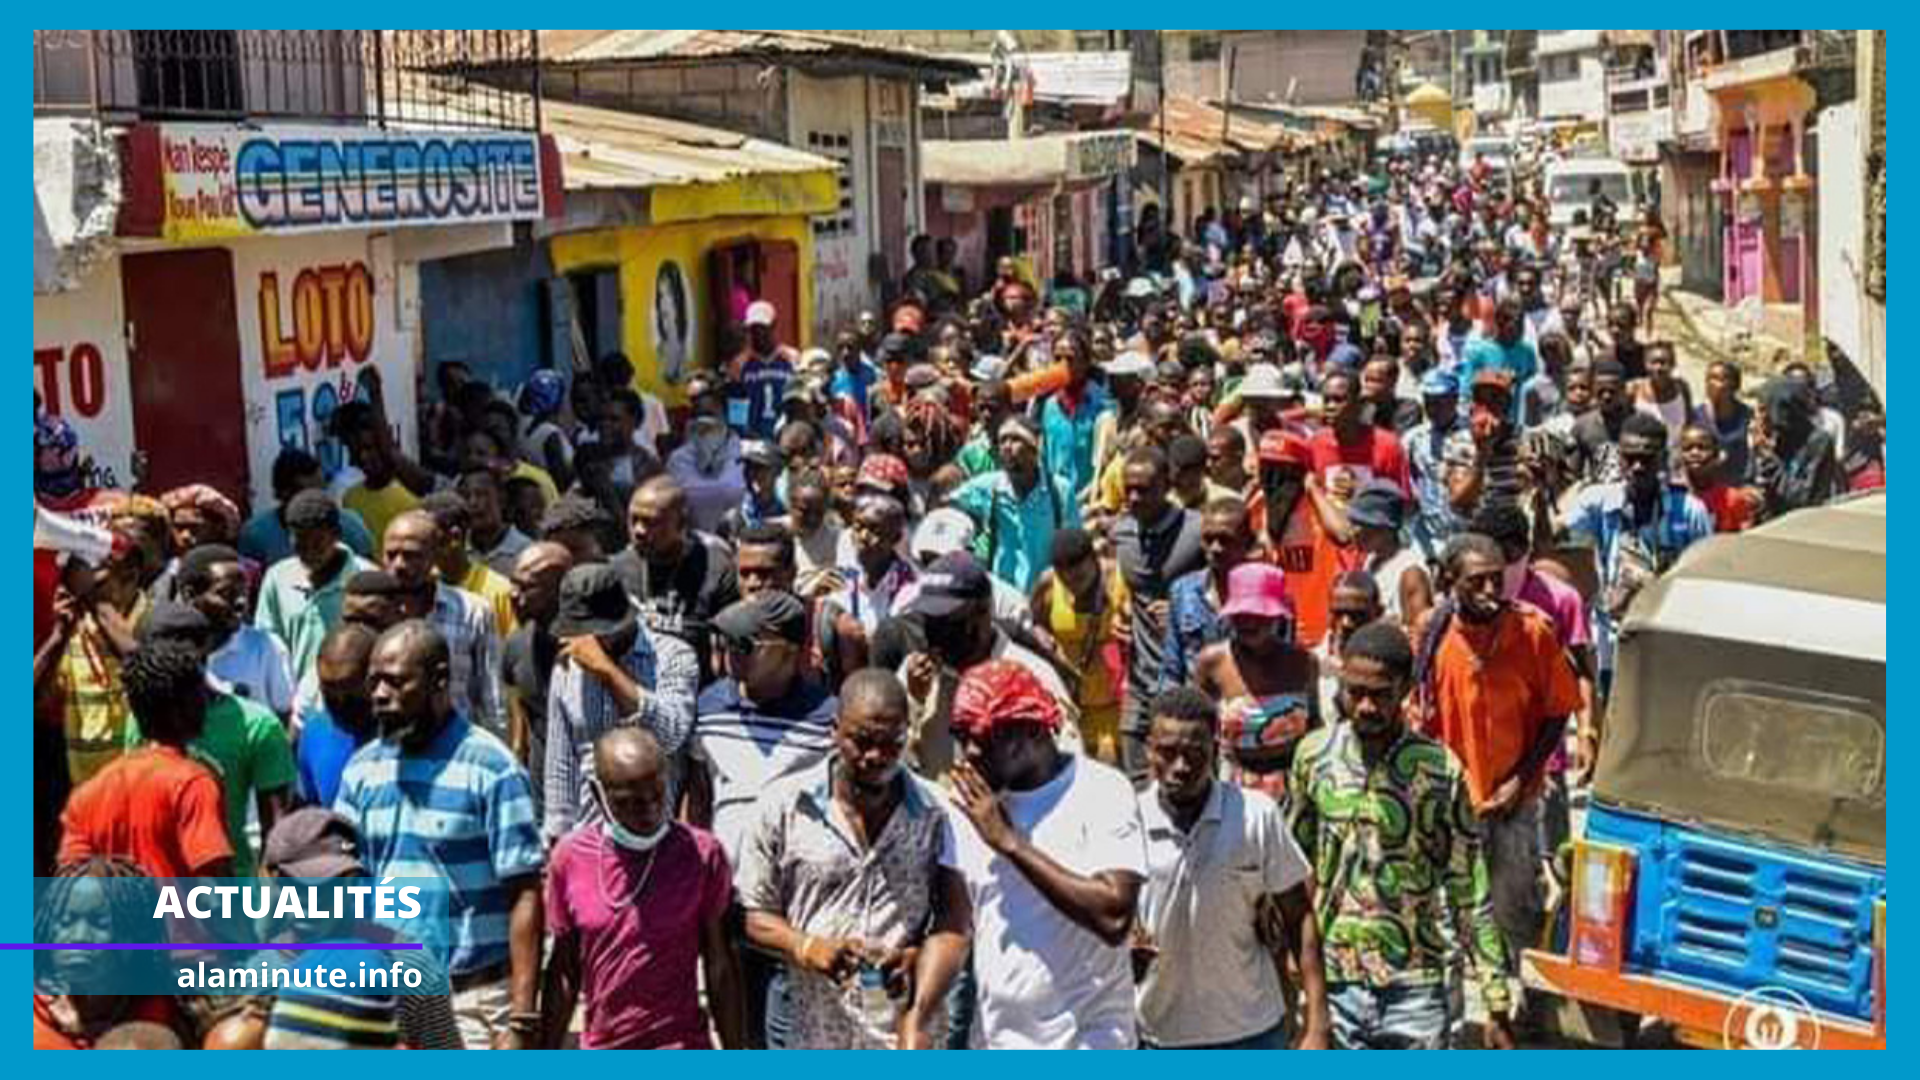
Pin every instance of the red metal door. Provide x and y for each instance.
(780, 285)
(183, 356)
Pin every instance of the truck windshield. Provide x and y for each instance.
(1582, 189)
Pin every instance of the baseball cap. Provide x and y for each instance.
(952, 583)
(988, 368)
(1283, 448)
(760, 452)
(883, 473)
(1440, 382)
(313, 843)
(760, 313)
(1493, 378)
(1378, 505)
(942, 532)
(1258, 589)
(172, 621)
(592, 601)
(778, 613)
(921, 376)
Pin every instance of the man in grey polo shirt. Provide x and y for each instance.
(1225, 882)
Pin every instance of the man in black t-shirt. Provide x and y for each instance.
(1596, 435)
(679, 577)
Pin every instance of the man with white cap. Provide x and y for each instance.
(1127, 376)
(763, 369)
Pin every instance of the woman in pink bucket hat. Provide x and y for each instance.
(1264, 679)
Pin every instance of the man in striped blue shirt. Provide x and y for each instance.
(437, 797)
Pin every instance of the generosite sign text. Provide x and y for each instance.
(221, 182)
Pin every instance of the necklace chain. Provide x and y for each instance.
(646, 874)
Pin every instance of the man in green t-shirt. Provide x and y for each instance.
(244, 743)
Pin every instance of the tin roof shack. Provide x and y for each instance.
(1055, 202)
(668, 228)
(856, 102)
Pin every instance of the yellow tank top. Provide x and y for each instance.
(1083, 637)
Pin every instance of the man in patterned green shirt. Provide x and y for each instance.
(1383, 815)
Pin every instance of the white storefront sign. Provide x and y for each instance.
(80, 371)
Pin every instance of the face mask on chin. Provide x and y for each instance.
(632, 841)
(622, 836)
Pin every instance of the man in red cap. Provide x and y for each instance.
(1303, 532)
(1046, 871)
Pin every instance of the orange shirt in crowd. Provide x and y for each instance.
(1494, 688)
(1312, 560)
(154, 806)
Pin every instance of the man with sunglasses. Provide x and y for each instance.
(768, 717)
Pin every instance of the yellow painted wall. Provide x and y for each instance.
(638, 254)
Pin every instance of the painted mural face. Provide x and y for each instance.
(672, 323)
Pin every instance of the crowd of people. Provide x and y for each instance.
(1207, 659)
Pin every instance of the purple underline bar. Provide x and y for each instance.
(219, 948)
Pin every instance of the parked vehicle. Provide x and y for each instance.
(1730, 877)
(1497, 150)
(1573, 184)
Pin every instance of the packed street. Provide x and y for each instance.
(963, 539)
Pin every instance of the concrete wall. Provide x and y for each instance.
(80, 371)
(1319, 66)
(1573, 84)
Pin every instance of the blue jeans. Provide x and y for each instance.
(1388, 1018)
(768, 1003)
(961, 1004)
(1274, 1038)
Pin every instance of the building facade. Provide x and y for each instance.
(269, 213)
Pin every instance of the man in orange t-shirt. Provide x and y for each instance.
(156, 806)
(1299, 533)
(1498, 689)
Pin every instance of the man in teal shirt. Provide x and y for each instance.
(1016, 508)
(1069, 415)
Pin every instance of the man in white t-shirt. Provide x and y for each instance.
(1042, 875)
(246, 661)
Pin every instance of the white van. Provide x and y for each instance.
(1496, 149)
(1574, 184)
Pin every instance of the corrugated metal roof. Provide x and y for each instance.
(683, 45)
(610, 148)
(606, 148)
(1036, 160)
(1198, 132)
